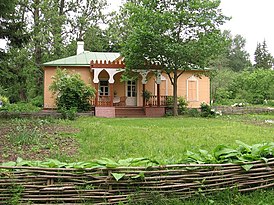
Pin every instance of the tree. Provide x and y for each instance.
(254, 86)
(177, 35)
(37, 34)
(238, 56)
(263, 59)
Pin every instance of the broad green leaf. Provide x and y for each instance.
(9, 164)
(118, 176)
(247, 167)
(141, 175)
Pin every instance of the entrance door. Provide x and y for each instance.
(131, 93)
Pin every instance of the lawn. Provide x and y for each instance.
(163, 139)
(166, 139)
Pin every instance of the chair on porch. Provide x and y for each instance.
(116, 100)
(122, 101)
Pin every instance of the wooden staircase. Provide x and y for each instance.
(129, 112)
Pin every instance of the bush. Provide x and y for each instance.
(207, 111)
(69, 114)
(169, 101)
(193, 112)
(182, 105)
(20, 107)
(71, 91)
(37, 101)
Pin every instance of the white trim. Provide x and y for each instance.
(192, 78)
(96, 74)
(111, 73)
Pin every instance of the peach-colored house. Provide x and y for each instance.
(114, 97)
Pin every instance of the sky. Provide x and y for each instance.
(252, 19)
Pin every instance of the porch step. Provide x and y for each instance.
(129, 112)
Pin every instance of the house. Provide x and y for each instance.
(103, 70)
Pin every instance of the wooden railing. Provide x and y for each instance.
(163, 100)
(105, 101)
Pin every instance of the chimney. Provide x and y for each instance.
(80, 47)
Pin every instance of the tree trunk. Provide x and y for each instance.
(37, 47)
(175, 86)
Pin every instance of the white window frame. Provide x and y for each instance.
(192, 78)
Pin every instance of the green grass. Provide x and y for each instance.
(166, 139)
(260, 197)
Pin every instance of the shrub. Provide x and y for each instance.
(182, 105)
(37, 101)
(69, 114)
(169, 101)
(193, 112)
(147, 95)
(20, 107)
(207, 111)
(71, 91)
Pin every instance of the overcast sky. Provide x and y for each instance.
(253, 19)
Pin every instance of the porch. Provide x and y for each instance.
(121, 101)
(107, 108)
(115, 97)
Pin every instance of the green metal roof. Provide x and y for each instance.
(83, 59)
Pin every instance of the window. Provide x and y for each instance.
(103, 89)
(192, 89)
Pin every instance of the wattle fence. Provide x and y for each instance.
(38, 185)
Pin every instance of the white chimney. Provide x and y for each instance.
(80, 47)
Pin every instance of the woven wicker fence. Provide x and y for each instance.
(98, 186)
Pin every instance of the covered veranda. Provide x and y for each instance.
(111, 94)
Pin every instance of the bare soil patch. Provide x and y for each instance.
(36, 140)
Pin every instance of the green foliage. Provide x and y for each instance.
(254, 87)
(69, 114)
(168, 33)
(4, 100)
(226, 197)
(71, 91)
(225, 154)
(147, 95)
(206, 110)
(182, 105)
(16, 191)
(151, 137)
(263, 59)
(37, 101)
(169, 102)
(220, 154)
(20, 107)
(193, 112)
(102, 163)
(25, 136)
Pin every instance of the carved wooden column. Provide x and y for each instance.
(111, 93)
(96, 93)
(158, 81)
(144, 82)
(158, 96)
(144, 100)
